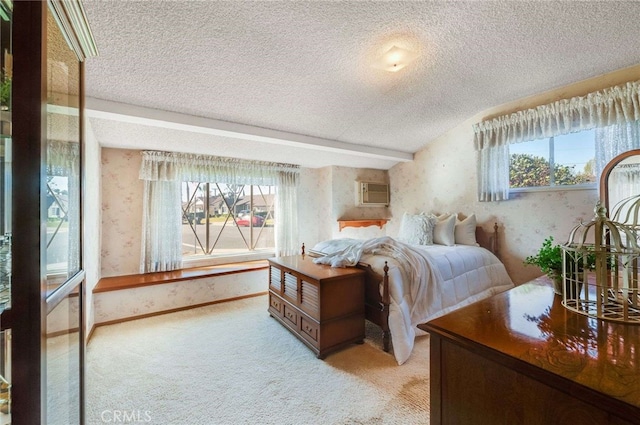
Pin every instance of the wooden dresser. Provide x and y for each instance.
(321, 305)
(522, 358)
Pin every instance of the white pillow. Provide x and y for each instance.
(443, 232)
(416, 229)
(465, 231)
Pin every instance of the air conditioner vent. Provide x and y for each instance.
(372, 194)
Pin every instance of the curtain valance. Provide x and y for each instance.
(614, 105)
(174, 166)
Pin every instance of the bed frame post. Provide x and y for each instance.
(386, 301)
(494, 239)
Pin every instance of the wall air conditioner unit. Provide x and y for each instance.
(372, 194)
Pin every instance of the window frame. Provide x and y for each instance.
(551, 187)
(251, 253)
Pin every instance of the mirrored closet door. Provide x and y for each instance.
(41, 273)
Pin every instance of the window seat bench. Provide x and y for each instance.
(116, 283)
(122, 298)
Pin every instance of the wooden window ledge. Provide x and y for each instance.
(116, 283)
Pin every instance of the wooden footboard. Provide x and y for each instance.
(377, 305)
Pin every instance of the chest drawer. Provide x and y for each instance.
(309, 328)
(290, 314)
(275, 304)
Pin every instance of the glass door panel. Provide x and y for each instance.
(63, 159)
(62, 363)
(64, 277)
(6, 75)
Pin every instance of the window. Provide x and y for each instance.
(221, 219)
(57, 224)
(203, 206)
(560, 161)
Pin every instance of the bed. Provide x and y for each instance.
(408, 284)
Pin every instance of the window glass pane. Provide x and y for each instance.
(574, 158)
(565, 160)
(529, 164)
(263, 211)
(220, 219)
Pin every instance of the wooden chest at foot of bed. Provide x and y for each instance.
(322, 305)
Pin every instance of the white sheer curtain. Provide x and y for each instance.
(613, 140)
(607, 107)
(161, 226)
(63, 160)
(624, 182)
(162, 233)
(493, 181)
(287, 242)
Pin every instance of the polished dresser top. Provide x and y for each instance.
(530, 324)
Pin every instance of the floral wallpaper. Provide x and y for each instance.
(122, 193)
(314, 200)
(325, 194)
(442, 179)
(92, 216)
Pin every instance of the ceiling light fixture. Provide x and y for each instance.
(394, 59)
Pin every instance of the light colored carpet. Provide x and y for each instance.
(231, 363)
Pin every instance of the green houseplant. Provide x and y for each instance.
(549, 259)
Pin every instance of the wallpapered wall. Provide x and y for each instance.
(122, 193)
(325, 195)
(440, 179)
(92, 217)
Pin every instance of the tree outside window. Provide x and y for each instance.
(567, 160)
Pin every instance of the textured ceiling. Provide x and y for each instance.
(305, 67)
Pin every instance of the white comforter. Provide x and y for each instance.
(424, 281)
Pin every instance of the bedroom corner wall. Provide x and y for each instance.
(328, 194)
(442, 178)
(314, 197)
(121, 225)
(325, 195)
(343, 202)
(122, 193)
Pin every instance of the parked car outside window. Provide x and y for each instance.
(245, 220)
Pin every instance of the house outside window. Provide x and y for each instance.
(57, 224)
(559, 162)
(223, 220)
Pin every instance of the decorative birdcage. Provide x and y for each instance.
(600, 265)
